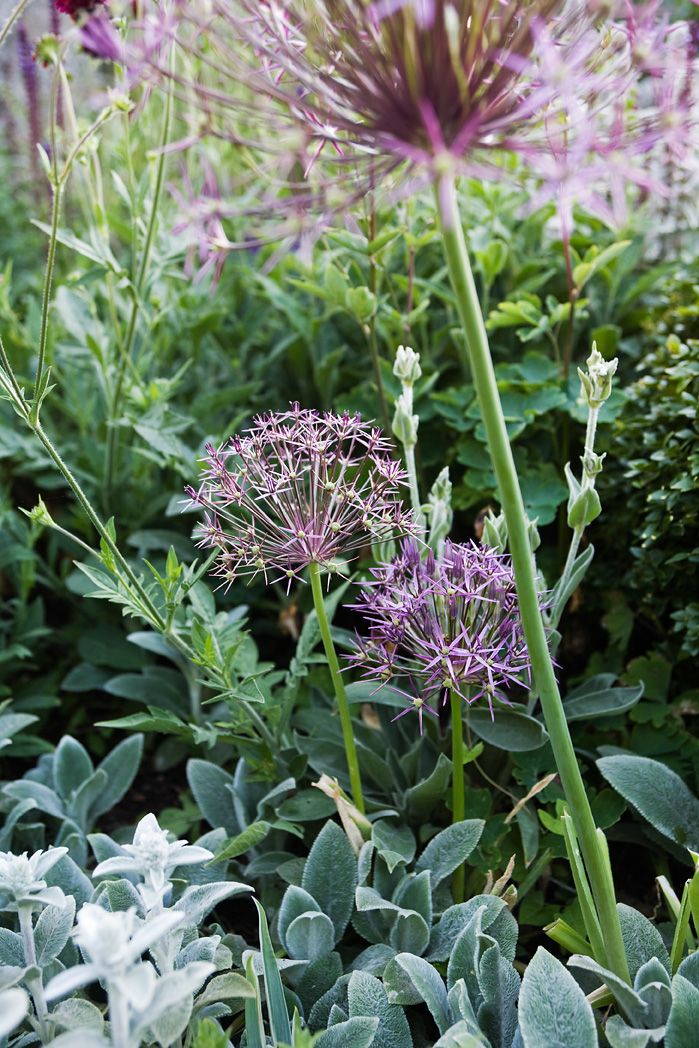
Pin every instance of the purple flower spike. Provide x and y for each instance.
(299, 487)
(445, 626)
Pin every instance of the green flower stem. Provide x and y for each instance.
(483, 373)
(458, 803)
(14, 15)
(36, 986)
(339, 686)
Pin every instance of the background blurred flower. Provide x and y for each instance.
(22, 878)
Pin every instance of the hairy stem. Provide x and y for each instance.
(339, 686)
(35, 985)
(479, 359)
(458, 803)
(14, 15)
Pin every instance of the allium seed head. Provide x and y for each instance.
(444, 625)
(299, 487)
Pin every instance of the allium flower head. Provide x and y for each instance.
(299, 487)
(153, 857)
(446, 625)
(22, 878)
(75, 8)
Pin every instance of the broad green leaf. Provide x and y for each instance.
(71, 766)
(310, 936)
(357, 1032)
(594, 698)
(553, 1010)
(658, 793)
(212, 787)
(683, 1022)
(250, 837)
(295, 901)
(642, 940)
(508, 729)
(367, 997)
(424, 983)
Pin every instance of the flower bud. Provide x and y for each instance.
(404, 423)
(406, 366)
(596, 384)
(40, 515)
(495, 532)
(440, 511)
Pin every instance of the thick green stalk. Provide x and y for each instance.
(339, 686)
(483, 373)
(458, 803)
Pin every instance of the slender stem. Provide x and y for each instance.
(373, 344)
(14, 15)
(458, 802)
(36, 986)
(411, 470)
(57, 191)
(118, 1017)
(339, 686)
(112, 447)
(483, 372)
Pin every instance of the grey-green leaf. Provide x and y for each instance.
(357, 1032)
(52, 929)
(309, 936)
(553, 1011)
(330, 876)
(683, 1022)
(657, 793)
(450, 849)
(367, 997)
(510, 730)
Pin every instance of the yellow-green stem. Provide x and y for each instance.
(483, 373)
(339, 686)
(458, 802)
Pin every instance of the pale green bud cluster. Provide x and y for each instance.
(405, 423)
(406, 366)
(440, 512)
(596, 383)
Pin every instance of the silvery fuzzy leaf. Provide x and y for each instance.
(199, 899)
(80, 1039)
(78, 1014)
(14, 1005)
(10, 975)
(227, 987)
(461, 1036)
(45, 799)
(500, 985)
(374, 959)
(211, 788)
(295, 901)
(203, 949)
(168, 1013)
(71, 767)
(310, 935)
(460, 1005)
(620, 1035)
(320, 1012)
(118, 896)
(120, 767)
(415, 893)
(103, 847)
(317, 978)
(11, 948)
(456, 918)
(682, 1025)
(410, 933)
(330, 876)
(642, 940)
(81, 802)
(68, 876)
(20, 809)
(553, 1009)
(358, 1032)
(337, 1015)
(139, 984)
(449, 849)
(153, 929)
(52, 929)
(411, 980)
(366, 996)
(364, 862)
(71, 979)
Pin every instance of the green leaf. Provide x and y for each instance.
(657, 793)
(642, 940)
(419, 800)
(357, 1032)
(52, 930)
(450, 849)
(510, 730)
(394, 843)
(330, 876)
(683, 1022)
(254, 1026)
(251, 836)
(155, 720)
(120, 767)
(553, 1010)
(212, 788)
(71, 766)
(594, 698)
(276, 1003)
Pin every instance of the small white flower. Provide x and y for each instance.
(406, 366)
(153, 857)
(113, 944)
(22, 878)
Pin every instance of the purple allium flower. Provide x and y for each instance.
(297, 488)
(444, 625)
(99, 37)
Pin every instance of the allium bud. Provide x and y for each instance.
(597, 382)
(405, 424)
(440, 512)
(406, 366)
